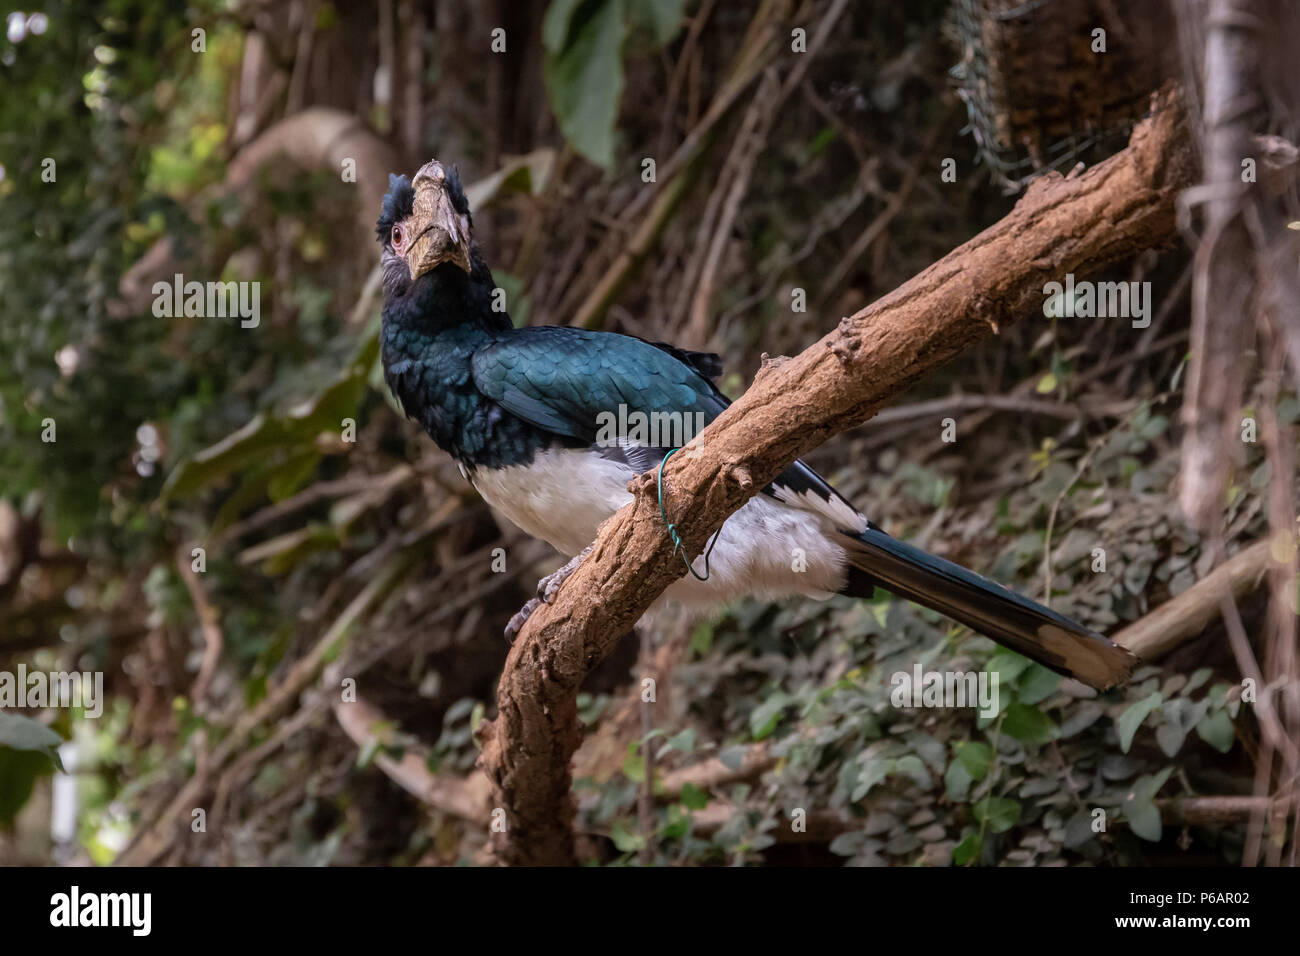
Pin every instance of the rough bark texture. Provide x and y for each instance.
(1061, 225)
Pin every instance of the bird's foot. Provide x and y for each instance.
(516, 623)
(547, 588)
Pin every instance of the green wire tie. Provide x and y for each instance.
(672, 528)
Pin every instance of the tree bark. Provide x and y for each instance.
(1061, 225)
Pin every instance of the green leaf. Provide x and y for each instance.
(1197, 679)
(1085, 715)
(693, 798)
(1078, 829)
(625, 840)
(999, 814)
(764, 718)
(634, 763)
(23, 733)
(874, 770)
(823, 139)
(476, 718)
(848, 844)
(702, 638)
(18, 772)
(1180, 716)
(295, 431)
(28, 749)
(1144, 819)
(1129, 721)
(957, 781)
(1217, 731)
(367, 753)
(292, 474)
(634, 769)
(1009, 666)
(678, 825)
(555, 25)
(1036, 683)
(732, 757)
(1028, 724)
(967, 849)
(1153, 427)
(583, 71)
(1170, 737)
(910, 766)
(660, 18)
(683, 741)
(975, 757)
(1139, 806)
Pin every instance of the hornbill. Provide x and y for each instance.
(519, 410)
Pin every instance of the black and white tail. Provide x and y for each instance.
(1035, 631)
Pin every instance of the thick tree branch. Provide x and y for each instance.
(1061, 225)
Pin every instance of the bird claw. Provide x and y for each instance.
(516, 623)
(547, 588)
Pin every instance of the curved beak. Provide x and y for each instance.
(441, 233)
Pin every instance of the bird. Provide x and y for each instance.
(523, 413)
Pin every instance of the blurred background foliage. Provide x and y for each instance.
(229, 521)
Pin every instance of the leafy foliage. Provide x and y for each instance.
(584, 40)
(373, 556)
(1058, 775)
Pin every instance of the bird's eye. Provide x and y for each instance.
(398, 235)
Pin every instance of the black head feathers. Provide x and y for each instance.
(457, 194)
(398, 203)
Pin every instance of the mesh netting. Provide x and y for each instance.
(1039, 96)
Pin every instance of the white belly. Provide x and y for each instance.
(766, 549)
(561, 497)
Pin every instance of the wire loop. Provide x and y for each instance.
(672, 528)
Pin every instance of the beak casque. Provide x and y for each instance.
(442, 233)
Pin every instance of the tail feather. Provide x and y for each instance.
(1008, 618)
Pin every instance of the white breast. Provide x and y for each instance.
(562, 496)
(768, 548)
